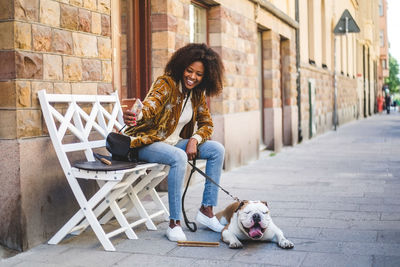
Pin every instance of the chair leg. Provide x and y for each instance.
(98, 230)
(141, 210)
(156, 198)
(80, 215)
(109, 215)
(122, 221)
(91, 218)
(65, 230)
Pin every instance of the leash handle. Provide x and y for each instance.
(190, 225)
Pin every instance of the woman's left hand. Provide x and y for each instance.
(191, 149)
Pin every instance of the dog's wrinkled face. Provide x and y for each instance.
(253, 218)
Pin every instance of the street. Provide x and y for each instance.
(335, 196)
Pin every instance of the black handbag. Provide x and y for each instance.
(119, 146)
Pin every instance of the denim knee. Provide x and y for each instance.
(219, 150)
(179, 158)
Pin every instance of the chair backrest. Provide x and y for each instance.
(82, 116)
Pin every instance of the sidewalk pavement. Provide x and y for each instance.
(335, 196)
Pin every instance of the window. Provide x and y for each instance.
(198, 23)
(381, 8)
(311, 37)
(323, 34)
(384, 64)
(382, 38)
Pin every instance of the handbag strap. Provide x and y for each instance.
(184, 105)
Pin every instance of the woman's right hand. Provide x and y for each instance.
(129, 118)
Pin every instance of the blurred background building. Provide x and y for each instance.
(383, 67)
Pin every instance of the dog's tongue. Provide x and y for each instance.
(255, 232)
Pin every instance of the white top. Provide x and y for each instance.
(185, 118)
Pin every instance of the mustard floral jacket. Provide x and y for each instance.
(161, 111)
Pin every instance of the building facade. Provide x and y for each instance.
(368, 46)
(383, 67)
(278, 88)
(348, 62)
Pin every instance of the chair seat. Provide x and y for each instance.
(100, 166)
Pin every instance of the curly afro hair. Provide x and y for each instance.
(213, 67)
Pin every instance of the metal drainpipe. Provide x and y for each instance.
(300, 133)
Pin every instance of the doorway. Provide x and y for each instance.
(135, 48)
(260, 67)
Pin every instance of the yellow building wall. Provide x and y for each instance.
(356, 80)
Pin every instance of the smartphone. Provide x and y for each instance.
(137, 106)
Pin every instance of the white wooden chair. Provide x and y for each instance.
(120, 190)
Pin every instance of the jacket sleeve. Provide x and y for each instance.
(204, 122)
(156, 99)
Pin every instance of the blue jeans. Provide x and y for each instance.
(176, 158)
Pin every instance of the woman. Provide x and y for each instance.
(164, 130)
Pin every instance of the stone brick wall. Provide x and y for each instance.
(61, 46)
(234, 36)
(231, 34)
(323, 99)
(170, 31)
(347, 99)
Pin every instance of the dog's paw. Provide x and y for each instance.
(284, 243)
(236, 244)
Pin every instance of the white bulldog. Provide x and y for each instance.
(250, 220)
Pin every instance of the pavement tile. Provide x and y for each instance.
(334, 206)
(268, 253)
(288, 205)
(393, 200)
(327, 223)
(389, 236)
(36, 264)
(312, 245)
(40, 254)
(222, 252)
(282, 222)
(10, 262)
(227, 263)
(380, 208)
(80, 257)
(153, 261)
(156, 243)
(386, 261)
(304, 213)
(148, 246)
(375, 225)
(347, 235)
(301, 232)
(383, 249)
(390, 216)
(359, 200)
(355, 216)
(336, 260)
